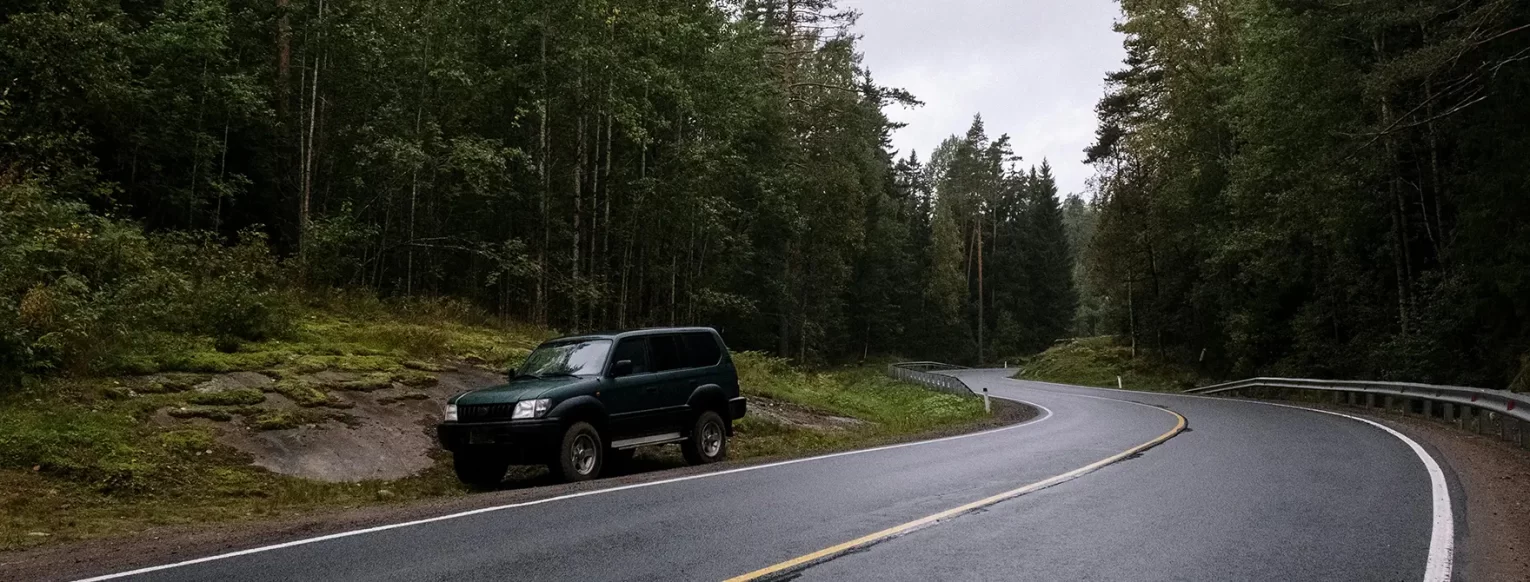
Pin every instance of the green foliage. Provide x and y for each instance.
(1318, 189)
(285, 419)
(235, 397)
(579, 165)
(81, 291)
(1099, 361)
(304, 393)
(861, 393)
(172, 383)
(213, 414)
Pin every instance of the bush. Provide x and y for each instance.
(81, 290)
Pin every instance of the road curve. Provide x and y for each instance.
(1248, 492)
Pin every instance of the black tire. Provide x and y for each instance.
(709, 440)
(480, 470)
(581, 454)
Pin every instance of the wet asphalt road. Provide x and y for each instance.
(1250, 492)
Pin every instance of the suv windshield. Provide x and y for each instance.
(578, 358)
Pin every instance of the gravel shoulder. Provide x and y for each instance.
(172, 544)
(1495, 477)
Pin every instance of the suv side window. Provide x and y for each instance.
(668, 352)
(701, 350)
(635, 349)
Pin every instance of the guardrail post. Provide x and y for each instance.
(1386, 403)
(1449, 414)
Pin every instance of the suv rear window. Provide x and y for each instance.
(701, 350)
(668, 352)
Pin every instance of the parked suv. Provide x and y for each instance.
(579, 403)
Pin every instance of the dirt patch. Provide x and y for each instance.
(790, 414)
(383, 434)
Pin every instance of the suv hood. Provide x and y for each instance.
(526, 389)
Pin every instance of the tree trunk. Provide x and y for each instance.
(605, 235)
(308, 157)
(539, 301)
(578, 214)
(283, 57)
(980, 321)
(414, 174)
(1399, 240)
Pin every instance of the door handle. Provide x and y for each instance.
(651, 389)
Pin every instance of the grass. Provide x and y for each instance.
(90, 457)
(1098, 361)
(236, 397)
(85, 457)
(888, 408)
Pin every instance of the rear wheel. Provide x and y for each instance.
(709, 440)
(580, 455)
(480, 470)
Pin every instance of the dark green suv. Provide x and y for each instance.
(579, 403)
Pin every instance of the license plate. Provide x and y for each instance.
(480, 437)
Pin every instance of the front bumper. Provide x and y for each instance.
(738, 407)
(535, 434)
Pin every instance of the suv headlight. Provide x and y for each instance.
(451, 413)
(531, 409)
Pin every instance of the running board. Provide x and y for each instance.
(658, 439)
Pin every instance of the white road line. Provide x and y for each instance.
(1442, 533)
(1046, 414)
(1439, 566)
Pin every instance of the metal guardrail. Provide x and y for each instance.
(921, 373)
(1482, 410)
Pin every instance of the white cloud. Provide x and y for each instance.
(1033, 69)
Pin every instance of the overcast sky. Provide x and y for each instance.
(1033, 68)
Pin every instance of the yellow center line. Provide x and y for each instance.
(897, 530)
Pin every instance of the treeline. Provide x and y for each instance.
(575, 163)
(1324, 189)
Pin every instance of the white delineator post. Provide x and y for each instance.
(987, 406)
(1118, 383)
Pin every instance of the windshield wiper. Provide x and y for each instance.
(532, 376)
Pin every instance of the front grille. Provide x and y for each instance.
(485, 412)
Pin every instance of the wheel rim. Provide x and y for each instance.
(583, 454)
(711, 439)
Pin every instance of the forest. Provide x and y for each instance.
(1319, 188)
(1284, 187)
(174, 169)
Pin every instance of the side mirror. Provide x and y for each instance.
(621, 368)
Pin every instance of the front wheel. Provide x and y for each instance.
(708, 442)
(580, 454)
(480, 470)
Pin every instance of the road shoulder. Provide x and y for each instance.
(1495, 477)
